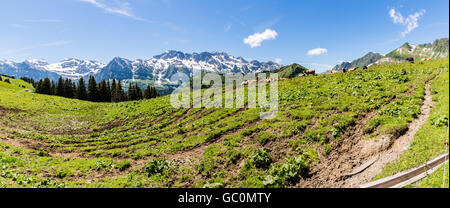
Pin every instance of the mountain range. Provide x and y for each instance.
(158, 69)
(438, 49)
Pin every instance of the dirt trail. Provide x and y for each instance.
(354, 151)
(399, 145)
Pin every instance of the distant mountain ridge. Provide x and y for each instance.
(159, 68)
(369, 58)
(290, 71)
(436, 50)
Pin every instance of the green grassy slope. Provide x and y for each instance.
(429, 140)
(293, 70)
(48, 141)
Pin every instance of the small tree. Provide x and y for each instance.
(81, 90)
(104, 94)
(147, 92)
(121, 94)
(68, 89)
(92, 89)
(60, 87)
(131, 92)
(46, 87)
(53, 87)
(150, 92)
(38, 86)
(114, 91)
(74, 89)
(139, 95)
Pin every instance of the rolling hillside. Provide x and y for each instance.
(48, 141)
(436, 50)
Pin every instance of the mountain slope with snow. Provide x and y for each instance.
(159, 68)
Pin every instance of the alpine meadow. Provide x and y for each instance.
(306, 119)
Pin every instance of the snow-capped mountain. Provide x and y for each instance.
(162, 67)
(159, 68)
(30, 68)
(73, 68)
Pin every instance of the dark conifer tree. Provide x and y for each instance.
(81, 90)
(74, 89)
(93, 89)
(131, 92)
(46, 87)
(138, 90)
(147, 92)
(114, 91)
(103, 92)
(120, 93)
(108, 90)
(38, 86)
(68, 91)
(53, 87)
(59, 91)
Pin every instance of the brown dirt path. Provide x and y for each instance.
(396, 147)
(353, 151)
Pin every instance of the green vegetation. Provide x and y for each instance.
(290, 71)
(429, 140)
(435, 180)
(437, 49)
(53, 141)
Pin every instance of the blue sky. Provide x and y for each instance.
(318, 34)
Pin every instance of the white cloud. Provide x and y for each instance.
(317, 51)
(256, 39)
(397, 17)
(56, 43)
(411, 22)
(123, 9)
(278, 60)
(44, 20)
(228, 27)
(31, 47)
(18, 26)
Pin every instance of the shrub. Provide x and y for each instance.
(289, 172)
(61, 173)
(442, 121)
(312, 135)
(261, 159)
(265, 137)
(234, 156)
(123, 165)
(298, 127)
(7, 81)
(103, 163)
(157, 166)
(42, 153)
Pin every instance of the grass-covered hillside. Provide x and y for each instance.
(48, 141)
